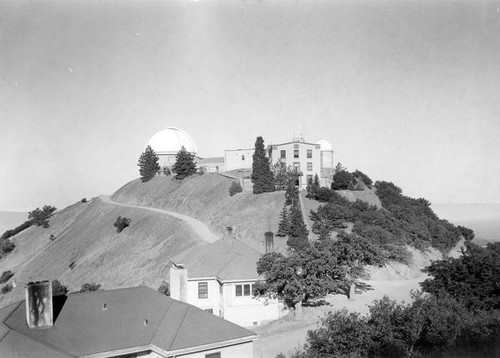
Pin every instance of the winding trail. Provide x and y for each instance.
(200, 229)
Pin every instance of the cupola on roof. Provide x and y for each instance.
(170, 140)
(324, 144)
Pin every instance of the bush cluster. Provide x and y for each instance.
(235, 188)
(6, 275)
(121, 223)
(460, 317)
(7, 288)
(40, 217)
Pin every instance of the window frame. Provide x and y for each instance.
(201, 294)
(309, 154)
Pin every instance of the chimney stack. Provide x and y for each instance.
(178, 282)
(39, 311)
(269, 241)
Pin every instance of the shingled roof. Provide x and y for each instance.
(226, 259)
(118, 321)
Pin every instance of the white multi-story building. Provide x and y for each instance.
(219, 278)
(308, 158)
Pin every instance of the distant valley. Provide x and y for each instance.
(483, 218)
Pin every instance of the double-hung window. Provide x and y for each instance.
(202, 289)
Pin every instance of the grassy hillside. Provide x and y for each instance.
(86, 240)
(207, 199)
(81, 245)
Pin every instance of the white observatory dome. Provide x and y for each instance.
(324, 145)
(170, 140)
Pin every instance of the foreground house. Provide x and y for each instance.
(130, 322)
(219, 279)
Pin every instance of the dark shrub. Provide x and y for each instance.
(164, 288)
(343, 180)
(40, 217)
(121, 223)
(7, 246)
(6, 275)
(235, 188)
(58, 288)
(88, 287)
(7, 288)
(84, 200)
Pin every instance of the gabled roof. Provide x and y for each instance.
(136, 318)
(226, 259)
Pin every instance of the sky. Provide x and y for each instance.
(405, 91)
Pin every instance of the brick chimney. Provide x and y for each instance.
(178, 282)
(269, 241)
(39, 311)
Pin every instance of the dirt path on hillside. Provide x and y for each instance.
(200, 229)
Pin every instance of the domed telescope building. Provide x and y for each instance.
(167, 142)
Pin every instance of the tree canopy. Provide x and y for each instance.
(184, 164)
(40, 217)
(148, 164)
(262, 177)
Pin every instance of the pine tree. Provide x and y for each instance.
(309, 187)
(184, 164)
(284, 225)
(298, 234)
(315, 186)
(291, 193)
(148, 164)
(262, 177)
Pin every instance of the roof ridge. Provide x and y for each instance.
(179, 326)
(161, 320)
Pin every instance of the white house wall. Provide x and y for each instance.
(243, 350)
(238, 159)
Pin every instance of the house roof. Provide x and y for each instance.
(226, 259)
(133, 318)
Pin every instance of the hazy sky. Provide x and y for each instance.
(405, 91)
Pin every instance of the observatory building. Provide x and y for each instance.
(309, 159)
(167, 142)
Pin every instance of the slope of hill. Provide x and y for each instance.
(86, 248)
(206, 198)
(81, 245)
(11, 219)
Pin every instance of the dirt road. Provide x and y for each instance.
(200, 229)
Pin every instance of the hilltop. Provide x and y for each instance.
(81, 245)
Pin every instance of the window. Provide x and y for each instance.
(309, 166)
(213, 355)
(296, 165)
(209, 310)
(244, 290)
(242, 157)
(295, 153)
(283, 154)
(202, 290)
(309, 153)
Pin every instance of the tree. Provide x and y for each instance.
(326, 266)
(297, 230)
(473, 278)
(308, 187)
(58, 288)
(148, 164)
(235, 188)
(343, 180)
(262, 177)
(121, 223)
(184, 164)
(90, 287)
(315, 185)
(40, 217)
(164, 288)
(284, 224)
